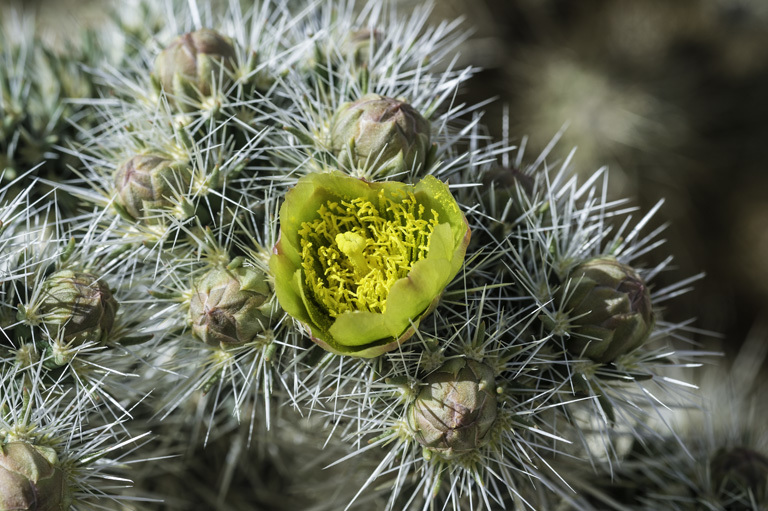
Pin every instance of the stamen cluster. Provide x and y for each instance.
(355, 250)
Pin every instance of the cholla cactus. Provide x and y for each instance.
(291, 213)
(721, 461)
(41, 89)
(56, 453)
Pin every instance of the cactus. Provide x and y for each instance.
(319, 262)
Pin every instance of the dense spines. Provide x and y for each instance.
(180, 186)
(90, 449)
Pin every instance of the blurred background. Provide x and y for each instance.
(671, 96)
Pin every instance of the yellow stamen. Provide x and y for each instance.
(354, 251)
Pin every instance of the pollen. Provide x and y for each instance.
(355, 250)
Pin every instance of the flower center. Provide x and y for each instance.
(355, 250)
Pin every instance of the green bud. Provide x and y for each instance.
(77, 307)
(508, 194)
(380, 134)
(738, 471)
(230, 307)
(30, 479)
(360, 44)
(193, 62)
(455, 410)
(146, 182)
(610, 309)
(510, 180)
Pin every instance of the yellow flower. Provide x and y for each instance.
(361, 263)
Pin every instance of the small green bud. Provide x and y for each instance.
(510, 179)
(509, 185)
(610, 309)
(77, 307)
(456, 408)
(30, 479)
(146, 182)
(380, 134)
(230, 307)
(193, 62)
(738, 471)
(27, 355)
(359, 45)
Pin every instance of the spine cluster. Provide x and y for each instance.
(285, 249)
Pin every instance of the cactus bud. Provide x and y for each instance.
(380, 134)
(77, 307)
(146, 182)
(193, 62)
(360, 43)
(30, 479)
(510, 179)
(740, 470)
(455, 410)
(509, 194)
(610, 309)
(230, 307)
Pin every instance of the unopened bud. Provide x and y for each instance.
(30, 479)
(77, 307)
(739, 471)
(610, 310)
(147, 182)
(380, 134)
(193, 62)
(455, 410)
(230, 307)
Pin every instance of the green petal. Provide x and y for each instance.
(361, 327)
(287, 288)
(426, 280)
(302, 203)
(316, 315)
(435, 194)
